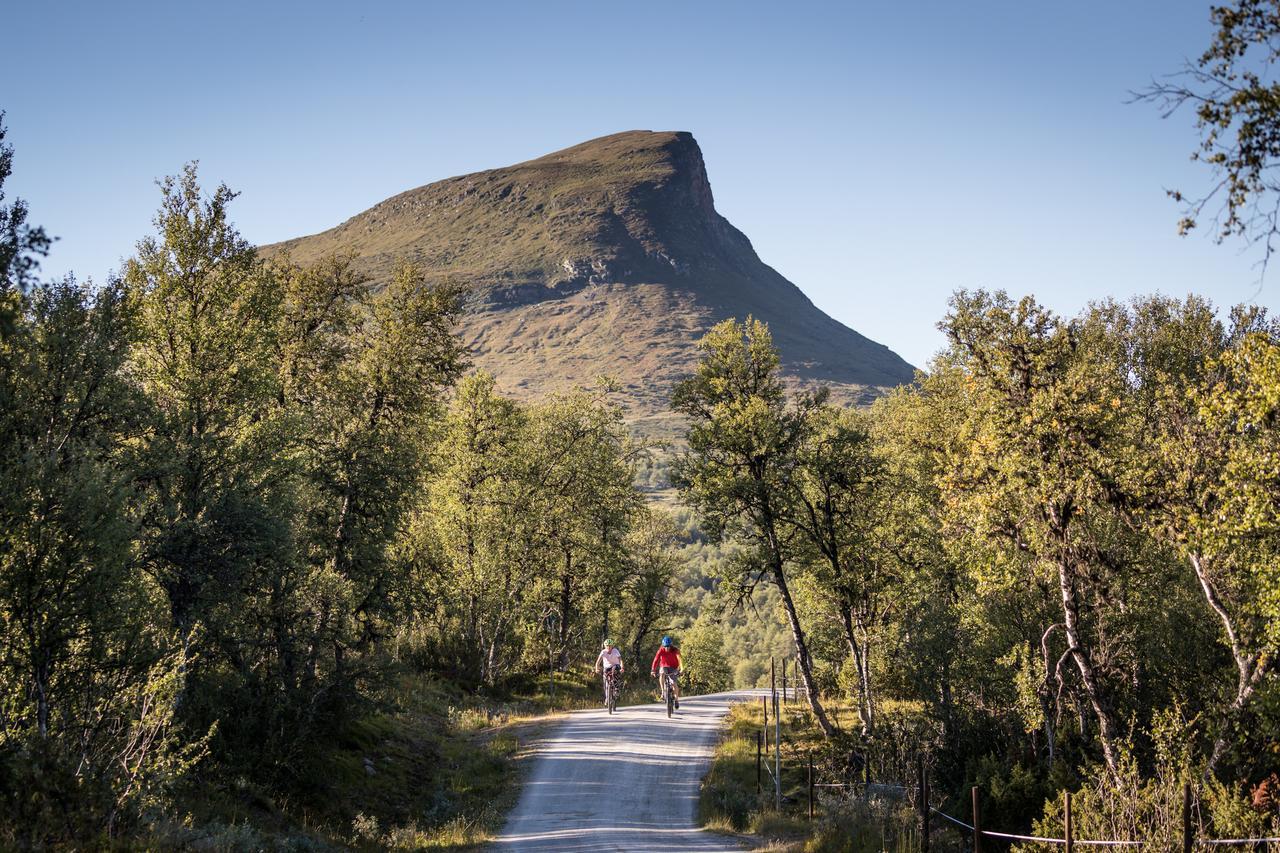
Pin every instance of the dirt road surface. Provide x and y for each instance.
(627, 782)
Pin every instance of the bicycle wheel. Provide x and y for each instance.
(671, 700)
(613, 696)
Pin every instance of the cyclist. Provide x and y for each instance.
(667, 660)
(609, 658)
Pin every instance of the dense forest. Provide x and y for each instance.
(1050, 563)
(248, 505)
(240, 500)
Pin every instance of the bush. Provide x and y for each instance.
(702, 659)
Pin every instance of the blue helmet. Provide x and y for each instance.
(666, 642)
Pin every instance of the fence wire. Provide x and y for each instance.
(796, 691)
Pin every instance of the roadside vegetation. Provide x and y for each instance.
(1048, 565)
(844, 819)
(277, 569)
(268, 553)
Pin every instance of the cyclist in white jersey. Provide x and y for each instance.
(609, 658)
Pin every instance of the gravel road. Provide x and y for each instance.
(626, 782)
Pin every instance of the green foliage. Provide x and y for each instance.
(207, 470)
(740, 470)
(21, 244)
(997, 562)
(703, 665)
(1231, 91)
(534, 527)
(253, 522)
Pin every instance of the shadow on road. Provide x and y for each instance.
(623, 782)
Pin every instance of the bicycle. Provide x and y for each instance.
(667, 682)
(613, 687)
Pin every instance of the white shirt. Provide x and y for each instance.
(610, 657)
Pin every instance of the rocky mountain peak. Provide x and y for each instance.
(604, 258)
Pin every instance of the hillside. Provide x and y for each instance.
(607, 258)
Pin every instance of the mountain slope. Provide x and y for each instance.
(605, 258)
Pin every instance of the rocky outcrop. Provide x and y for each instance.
(607, 257)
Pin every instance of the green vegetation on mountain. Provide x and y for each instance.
(607, 258)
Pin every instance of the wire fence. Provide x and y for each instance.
(974, 833)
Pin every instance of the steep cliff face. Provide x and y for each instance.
(605, 258)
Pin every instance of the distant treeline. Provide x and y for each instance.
(1053, 562)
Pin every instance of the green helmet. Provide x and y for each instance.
(608, 644)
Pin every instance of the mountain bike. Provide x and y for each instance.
(667, 682)
(612, 687)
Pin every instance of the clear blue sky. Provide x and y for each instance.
(880, 155)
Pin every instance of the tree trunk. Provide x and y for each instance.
(1250, 667)
(336, 556)
(802, 650)
(1050, 677)
(1108, 732)
(643, 625)
(491, 659)
(948, 705)
(858, 653)
(42, 693)
(283, 636)
(566, 605)
(864, 674)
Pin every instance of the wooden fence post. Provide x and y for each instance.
(923, 791)
(1066, 821)
(764, 703)
(1188, 836)
(784, 681)
(759, 751)
(777, 756)
(977, 822)
(811, 785)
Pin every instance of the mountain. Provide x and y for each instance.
(607, 258)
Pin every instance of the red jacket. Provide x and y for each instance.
(668, 657)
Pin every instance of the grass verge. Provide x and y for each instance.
(731, 802)
(434, 768)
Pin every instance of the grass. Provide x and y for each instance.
(478, 760)
(730, 802)
(433, 769)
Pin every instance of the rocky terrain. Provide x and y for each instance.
(607, 258)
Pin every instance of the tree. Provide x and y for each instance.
(368, 424)
(21, 244)
(1244, 589)
(205, 354)
(476, 517)
(86, 675)
(67, 527)
(839, 508)
(740, 469)
(650, 587)
(917, 433)
(1215, 447)
(702, 660)
(580, 470)
(1237, 109)
(1037, 471)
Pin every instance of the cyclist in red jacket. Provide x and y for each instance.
(667, 660)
